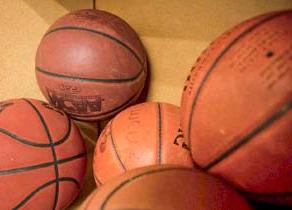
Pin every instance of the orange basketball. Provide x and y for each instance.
(165, 188)
(42, 156)
(236, 107)
(91, 64)
(144, 134)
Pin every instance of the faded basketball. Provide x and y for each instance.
(91, 64)
(42, 156)
(236, 107)
(165, 188)
(142, 135)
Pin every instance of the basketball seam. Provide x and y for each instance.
(65, 137)
(131, 179)
(159, 132)
(115, 148)
(85, 79)
(43, 165)
(245, 139)
(213, 65)
(53, 152)
(31, 143)
(112, 38)
(39, 166)
(62, 179)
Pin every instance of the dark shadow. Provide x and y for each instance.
(88, 130)
(102, 123)
(89, 184)
(89, 133)
(144, 94)
(267, 206)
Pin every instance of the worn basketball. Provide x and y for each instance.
(144, 134)
(165, 188)
(42, 156)
(91, 64)
(236, 107)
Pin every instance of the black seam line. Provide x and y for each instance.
(110, 111)
(65, 137)
(250, 29)
(39, 166)
(158, 170)
(245, 139)
(269, 194)
(63, 179)
(53, 151)
(85, 79)
(159, 133)
(31, 143)
(115, 149)
(98, 33)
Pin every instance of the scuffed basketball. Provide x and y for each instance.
(42, 156)
(236, 107)
(91, 64)
(144, 134)
(165, 188)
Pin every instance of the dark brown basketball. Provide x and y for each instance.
(165, 188)
(42, 157)
(237, 104)
(91, 64)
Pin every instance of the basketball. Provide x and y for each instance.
(91, 64)
(165, 188)
(142, 135)
(42, 156)
(236, 108)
